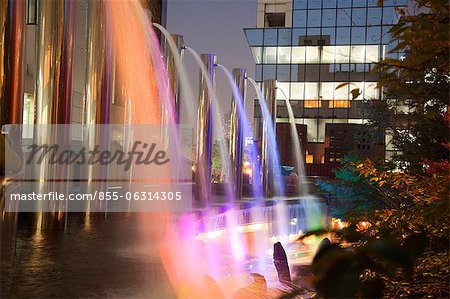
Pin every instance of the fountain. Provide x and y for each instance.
(224, 239)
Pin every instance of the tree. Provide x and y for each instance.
(418, 81)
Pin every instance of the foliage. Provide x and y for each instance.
(215, 156)
(362, 272)
(388, 248)
(418, 82)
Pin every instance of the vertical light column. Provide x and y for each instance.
(54, 62)
(12, 60)
(99, 67)
(269, 91)
(54, 41)
(172, 72)
(95, 65)
(204, 132)
(12, 72)
(99, 91)
(237, 130)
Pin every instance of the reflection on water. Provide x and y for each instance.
(94, 257)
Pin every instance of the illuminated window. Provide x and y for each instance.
(28, 116)
(32, 12)
(370, 91)
(312, 54)
(358, 53)
(339, 104)
(256, 51)
(282, 90)
(313, 103)
(297, 90)
(309, 159)
(372, 54)
(270, 55)
(298, 55)
(341, 92)
(327, 90)
(284, 54)
(342, 54)
(328, 54)
(311, 90)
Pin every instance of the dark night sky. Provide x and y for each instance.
(215, 26)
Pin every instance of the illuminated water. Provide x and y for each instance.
(314, 214)
(155, 255)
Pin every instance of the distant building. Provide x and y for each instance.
(321, 53)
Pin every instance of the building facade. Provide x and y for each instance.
(322, 54)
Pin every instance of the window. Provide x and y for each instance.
(329, 35)
(357, 54)
(311, 90)
(390, 16)
(299, 18)
(32, 12)
(312, 54)
(358, 35)
(258, 72)
(344, 3)
(28, 116)
(314, 3)
(299, 4)
(298, 55)
(329, 3)
(275, 19)
(372, 54)
(327, 90)
(370, 91)
(359, 3)
(373, 34)
(343, 36)
(314, 18)
(329, 17)
(270, 55)
(282, 87)
(328, 54)
(339, 104)
(359, 16)
(269, 72)
(342, 54)
(297, 73)
(343, 17)
(311, 129)
(270, 37)
(284, 55)
(257, 55)
(284, 37)
(341, 93)
(297, 90)
(374, 16)
(283, 72)
(321, 129)
(313, 103)
(254, 37)
(298, 35)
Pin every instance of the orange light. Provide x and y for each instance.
(339, 104)
(309, 159)
(312, 103)
(362, 225)
(337, 223)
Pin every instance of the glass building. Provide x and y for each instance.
(313, 48)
